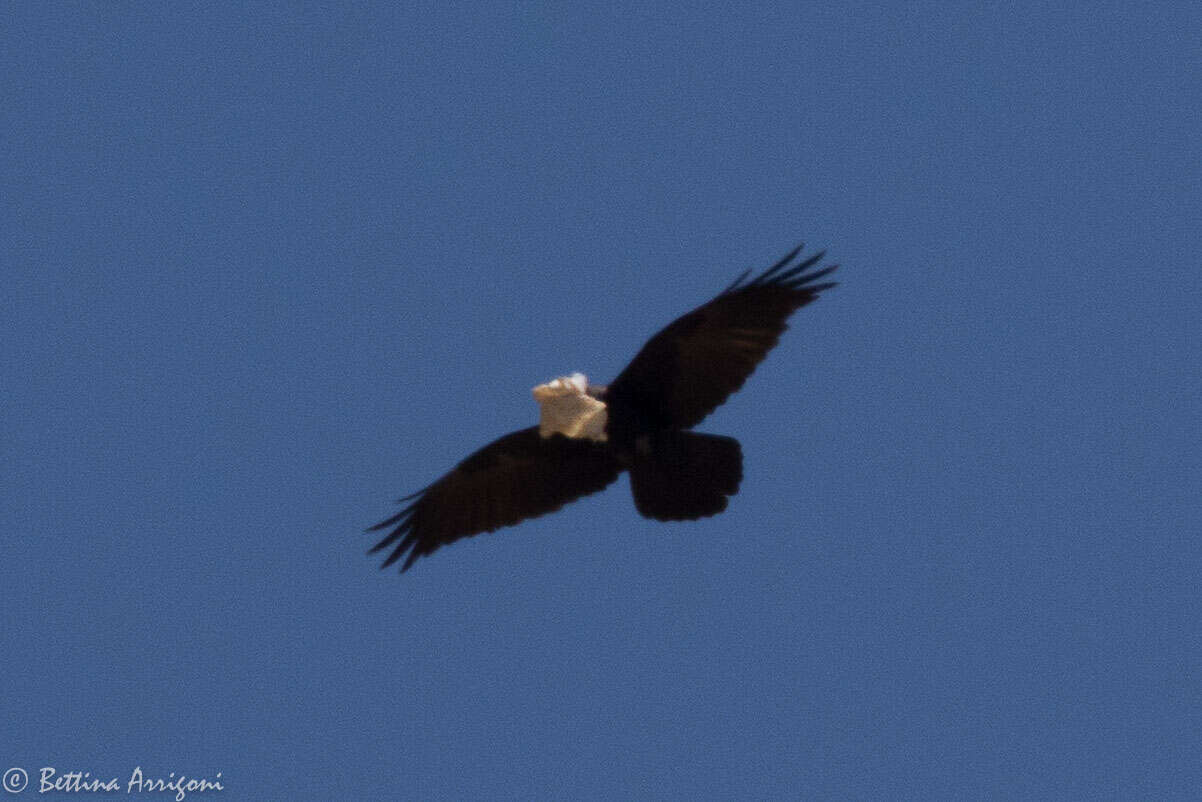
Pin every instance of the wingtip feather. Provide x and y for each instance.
(734, 285)
(806, 281)
(783, 274)
(788, 257)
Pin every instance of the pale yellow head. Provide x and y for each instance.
(567, 409)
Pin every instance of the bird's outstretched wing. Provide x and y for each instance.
(687, 370)
(519, 476)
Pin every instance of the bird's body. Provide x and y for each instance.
(640, 422)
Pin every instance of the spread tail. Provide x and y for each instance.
(686, 475)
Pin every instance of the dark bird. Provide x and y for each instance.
(588, 434)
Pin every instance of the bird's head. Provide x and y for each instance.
(576, 384)
(568, 409)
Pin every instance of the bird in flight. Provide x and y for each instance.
(588, 434)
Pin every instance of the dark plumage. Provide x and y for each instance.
(521, 475)
(678, 378)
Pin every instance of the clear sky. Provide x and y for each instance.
(267, 268)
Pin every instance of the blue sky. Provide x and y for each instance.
(268, 268)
